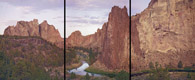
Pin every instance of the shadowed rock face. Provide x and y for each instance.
(112, 41)
(163, 33)
(33, 28)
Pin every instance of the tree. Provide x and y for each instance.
(87, 77)
(188, 75)
(156, 65)
(151, 65)
(180, 65)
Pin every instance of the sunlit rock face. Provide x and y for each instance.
(112, 41)
(33, 28)
(163, 33)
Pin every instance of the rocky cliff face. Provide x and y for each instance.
(33, 28)
(112, 41)
(163, 33)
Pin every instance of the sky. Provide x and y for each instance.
(12, 11)
(89, 15)
(138, 5)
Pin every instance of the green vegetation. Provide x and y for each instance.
(151, 65)
(94, 70)
(87, 77)
(80, 48)
(188, 76)
(180, 65)
(158, 73)
(92, 57)
(122, 75)
(73, 75)
(191, 76)
(25, 58)
(70, 55)
(72, 59)
(21, 70)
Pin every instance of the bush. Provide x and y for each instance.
(87, 77)
(151, 65)
(122, 75)
(188, 76)
(72, 75)
(180, 65)
(159, 74)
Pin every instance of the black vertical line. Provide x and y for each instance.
(64, 39)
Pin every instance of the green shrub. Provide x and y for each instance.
(122, 75)
(151, 65)
(187, 68)
(158, 73)
(180, 65)
(188, 76)
(87, 77)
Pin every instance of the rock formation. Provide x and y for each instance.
(33, 28)
(112, 41)
(163, 33)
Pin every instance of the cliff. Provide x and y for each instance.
(33, 28)
(163, 33)
(112, 41)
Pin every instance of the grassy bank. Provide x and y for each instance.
(98, 71)
(122, 75)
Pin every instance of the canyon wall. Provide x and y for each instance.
(112, 41)
(163, 33)
(33, 28)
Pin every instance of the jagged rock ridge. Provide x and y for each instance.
(112, 41)
(163, 33)
(33, 28)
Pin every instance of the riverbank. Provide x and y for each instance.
(122, 75)
(79, 74)
(186, 73)
(151, 71)
(172, 76)
(73, 66)
(98, 71)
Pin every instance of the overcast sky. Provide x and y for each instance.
(138, 5)
(12, 11)
(89, 15)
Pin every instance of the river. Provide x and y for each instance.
(81, 70)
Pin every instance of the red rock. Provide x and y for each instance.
(112, 41)
(33, 28)
(163, 33)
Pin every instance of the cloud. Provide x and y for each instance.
(89, 15)
(95, 4)
(37, 4)
(58, 17)
(87, 20)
